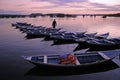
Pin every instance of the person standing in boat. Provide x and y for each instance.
(54, 23)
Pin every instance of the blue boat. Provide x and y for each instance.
(82, 60)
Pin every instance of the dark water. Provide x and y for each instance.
(13, 45)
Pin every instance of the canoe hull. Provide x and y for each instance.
(76, 67)
(48, 71)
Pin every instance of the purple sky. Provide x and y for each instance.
(59, 6)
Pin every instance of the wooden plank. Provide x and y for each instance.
(103, 55)
(45, 59)
(77, 62)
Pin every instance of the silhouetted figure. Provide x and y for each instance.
(54, 23)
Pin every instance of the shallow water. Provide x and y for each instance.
(13, 45)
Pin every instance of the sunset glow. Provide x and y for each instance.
(60, 6)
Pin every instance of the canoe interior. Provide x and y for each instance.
(38, 58)
(89, 58)
(83, 59)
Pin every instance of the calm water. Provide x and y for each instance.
(13, 45)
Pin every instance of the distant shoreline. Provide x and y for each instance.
(111, 15)
(60, 15)
(34, 15)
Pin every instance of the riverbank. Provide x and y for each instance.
(111, 15)
(34, 15)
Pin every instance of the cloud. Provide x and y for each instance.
(97, 5)
(89, 6)
(103, 7)
(59, 2)
(106, 2)
(63, 6)
(2, 11)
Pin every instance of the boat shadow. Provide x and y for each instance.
(27, 37)
(81, 46)
(61, 43)
(47, 71)
(95, 48)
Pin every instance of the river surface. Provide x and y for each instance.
(13, 45)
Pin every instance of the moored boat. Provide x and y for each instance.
(72, 37)
(91, 36)
(81, 61)
(102, 36)
(100, 45)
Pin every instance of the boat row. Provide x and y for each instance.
(80, 37)
(93, 41)
(56, 34)
(32, 29)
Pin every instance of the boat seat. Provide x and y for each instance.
(77, 62)
(45, 59)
